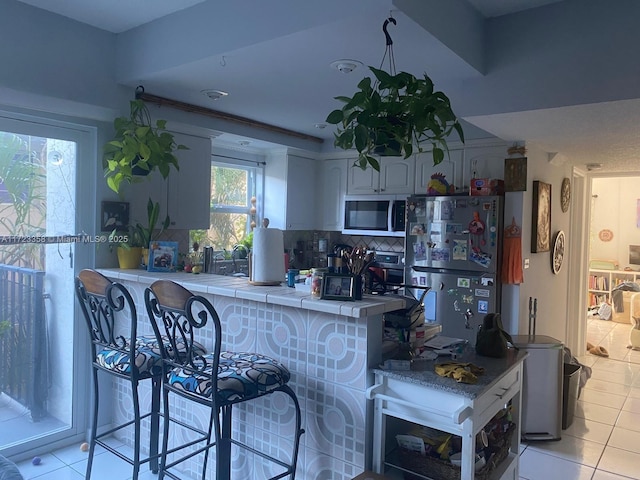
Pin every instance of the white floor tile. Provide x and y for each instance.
(621, 462)
(572, 449)
(608, 387)
(603, 398)
(65, 473)
(622, 378)
(589, 430)
(597, 413)
(629, 420)
(625, 440)
(632, 405)
(602, 475)
(48, 464)
(536, 465)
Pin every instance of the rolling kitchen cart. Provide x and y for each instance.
(424, 398)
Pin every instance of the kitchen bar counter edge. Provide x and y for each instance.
(275, 295)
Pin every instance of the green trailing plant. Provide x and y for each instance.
(138, 148)
(395, 116)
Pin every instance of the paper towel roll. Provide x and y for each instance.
(268, 251)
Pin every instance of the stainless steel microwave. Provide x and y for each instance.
(374, 215)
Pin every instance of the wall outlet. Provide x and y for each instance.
(526, 263)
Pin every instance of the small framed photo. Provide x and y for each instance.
(114, 216)
(163, 256)
(337, 286)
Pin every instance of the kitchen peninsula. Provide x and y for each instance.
(330, 348)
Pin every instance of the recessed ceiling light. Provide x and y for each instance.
(346, 66)
(244, 143)
(214, 94)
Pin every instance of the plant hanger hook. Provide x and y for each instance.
(389, 48)
(386, 32)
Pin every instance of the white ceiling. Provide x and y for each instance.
(273, 58)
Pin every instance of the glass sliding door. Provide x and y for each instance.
(39, 355)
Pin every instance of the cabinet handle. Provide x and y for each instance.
(505, 390)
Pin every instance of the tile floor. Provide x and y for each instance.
(603, 443)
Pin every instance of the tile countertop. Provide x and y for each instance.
(423, 372)
(275, 295)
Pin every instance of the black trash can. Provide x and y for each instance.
(570, 390)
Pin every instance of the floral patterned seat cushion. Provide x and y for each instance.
(148, 357)
(241, 376)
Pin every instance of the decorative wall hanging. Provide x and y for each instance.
(512, 256)
(541, 218)
(515, 174)
(565, 194)
(557, 256)
(114, 216)
(605, 235)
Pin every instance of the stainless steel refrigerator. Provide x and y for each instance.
(453, 244)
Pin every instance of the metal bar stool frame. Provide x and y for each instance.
(179, 313)
(101, 302)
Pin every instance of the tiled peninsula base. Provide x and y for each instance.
(327, 353)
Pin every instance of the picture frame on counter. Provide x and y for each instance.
(338, 286)
(163, 257)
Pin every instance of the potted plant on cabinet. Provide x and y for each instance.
(138, 148)
(392, 116)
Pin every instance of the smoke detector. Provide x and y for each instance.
(346, 66)
(593, 166)
(214, 94)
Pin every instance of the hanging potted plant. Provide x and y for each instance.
(138, 147)
(393, 115)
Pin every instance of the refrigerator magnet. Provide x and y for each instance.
(483, 306)
(459, 249)
(464, 283)
(481, 292)
(440, 255)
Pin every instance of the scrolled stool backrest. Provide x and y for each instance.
(101, 300)
(176, 314)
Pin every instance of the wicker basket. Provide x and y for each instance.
(442, 470)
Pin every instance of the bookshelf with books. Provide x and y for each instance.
(602, 282)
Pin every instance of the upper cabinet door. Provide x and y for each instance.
(334, 187)
(189, 189)
(185, 194)
(397, 175)
(362, 181)
(451, 168)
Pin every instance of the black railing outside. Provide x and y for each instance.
(23, 338)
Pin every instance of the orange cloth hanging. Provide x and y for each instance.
(512, 256)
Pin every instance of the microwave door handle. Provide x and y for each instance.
(392, 214)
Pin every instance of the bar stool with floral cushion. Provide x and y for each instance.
(218, 381)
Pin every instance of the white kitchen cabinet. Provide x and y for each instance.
(290, 191)
(450, 167)
(334, 187)
(396, 176)
(484, 161)
(185, 194)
